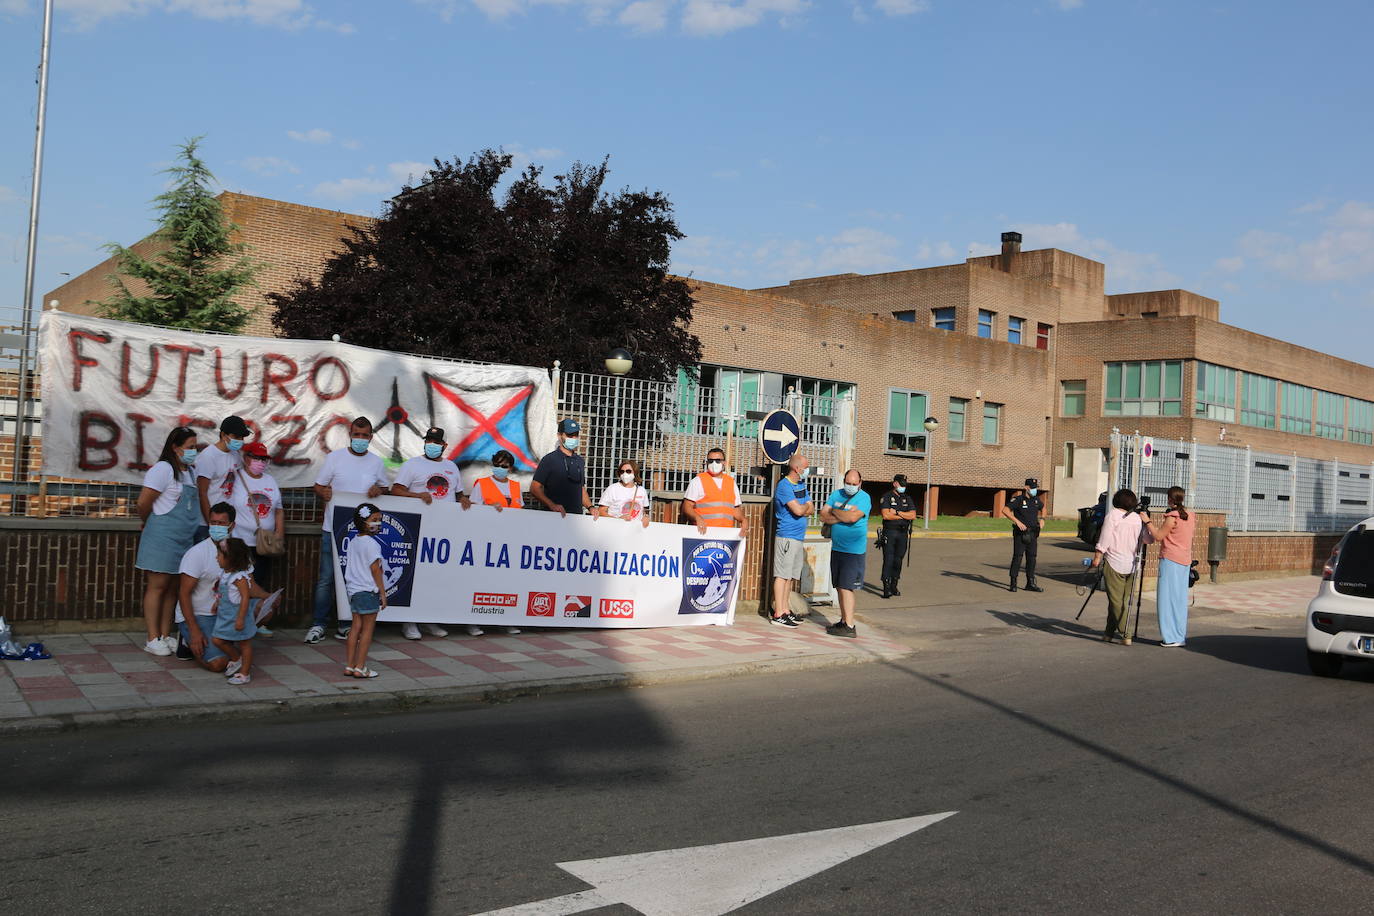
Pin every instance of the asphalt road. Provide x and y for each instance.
(1087, 778)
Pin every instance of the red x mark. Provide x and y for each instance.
(485, 425)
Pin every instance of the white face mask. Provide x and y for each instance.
(851, 488)
(715, 467)
(627, 478)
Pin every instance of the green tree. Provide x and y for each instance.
(454, 268)
(197, 268)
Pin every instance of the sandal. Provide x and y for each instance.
(240, 679)
(364, 673)
(349, 672)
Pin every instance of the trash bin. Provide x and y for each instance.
(1216, 544)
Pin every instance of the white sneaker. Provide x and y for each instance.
(433, 629)
(410, 631)
(157, 646)
(512, 631)
(314, 634)
(232, 668)
(475, 630)
(170, 642)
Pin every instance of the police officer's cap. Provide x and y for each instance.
(1032, 482)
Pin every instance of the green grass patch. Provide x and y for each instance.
(960, 523)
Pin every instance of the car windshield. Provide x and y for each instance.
(1355, 566)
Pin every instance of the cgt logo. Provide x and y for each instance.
(493, 602)
(620, 608)
(540, 604)
(577, 605)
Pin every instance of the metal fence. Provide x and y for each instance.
(1258, 491)
(668, 427)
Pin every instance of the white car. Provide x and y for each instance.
(1340, 620)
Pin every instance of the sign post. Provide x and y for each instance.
(779, 436)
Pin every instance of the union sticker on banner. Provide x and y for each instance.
(709, 575)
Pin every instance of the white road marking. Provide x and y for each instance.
(711, 880)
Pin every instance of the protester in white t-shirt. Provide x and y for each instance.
(216, 465)
(431, 478)
(626, 499)
(346, 470)
(168, 509)
(200, 572)
(257, 501)
(365, 572)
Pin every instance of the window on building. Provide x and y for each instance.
(958, 414)
(908, 315)
(1296, 416)
(1069, 449)
(1145, 389)
(985, 322)
(944, 319)
(1073, 397)
(1216, 393)
(1360, 427)
(992, 424)
(704, 402)
(1330, 415)
(1042, 336)
(1015, 328)
(906, 417)
(1259, 396)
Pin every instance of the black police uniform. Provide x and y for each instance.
(895, 535)
(1027, 511)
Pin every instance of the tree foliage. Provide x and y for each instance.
(562, 272)
(197, 267)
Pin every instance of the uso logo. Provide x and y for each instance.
(708, 575)
(620, 608)
(398, 538)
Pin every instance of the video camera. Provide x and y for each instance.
(1144, 504)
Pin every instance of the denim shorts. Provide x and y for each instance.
(364, 602)
(847, 570)
(207, 629)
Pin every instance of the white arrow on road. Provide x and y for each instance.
(710, 880)
(783, 437)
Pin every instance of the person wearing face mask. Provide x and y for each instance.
(847, 511)
(898, 511)
(431, 478)
(216, 466)
(626, 499)
(791, 508)
(712, 499)
(1024, 509)
(345, 470)
(257, 505)
(170, 514)
(499, 489)
(200, 572)
(560, 481)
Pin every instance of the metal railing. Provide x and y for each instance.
(1258, 491)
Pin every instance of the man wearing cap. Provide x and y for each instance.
(1024, 510)
(560, 481)
(217, 466)
(431, 478)
(712, 499)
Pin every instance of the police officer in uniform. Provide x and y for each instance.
(898, 510)
(1024, 511)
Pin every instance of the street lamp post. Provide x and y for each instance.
(931, 424)
(619, 362)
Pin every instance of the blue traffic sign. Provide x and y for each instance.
(779, 436)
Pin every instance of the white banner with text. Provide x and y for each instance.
(523, 567)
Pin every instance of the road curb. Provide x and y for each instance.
(412, 700)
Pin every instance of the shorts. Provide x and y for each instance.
(847, 570)
(207, 629)
(364, 602)
(789, 556)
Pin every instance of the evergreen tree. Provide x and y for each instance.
(197, 268)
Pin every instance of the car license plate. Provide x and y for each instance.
(1367, 644)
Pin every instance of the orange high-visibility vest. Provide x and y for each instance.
(492, 495)
(716, 508)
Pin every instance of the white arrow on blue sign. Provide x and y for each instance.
(779, 436)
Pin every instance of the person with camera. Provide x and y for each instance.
(1119, 545)
(1175, 537)
(1024, 509)
(898, 512)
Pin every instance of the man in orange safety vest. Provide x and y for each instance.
(712, 499)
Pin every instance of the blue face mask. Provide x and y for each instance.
(433, 449)
(1032, 491)
(901, 489)
(570, 443)
(219, 532)
(188, 456)
(805, 473)
(851, 488)
(235, 444)
(359, 446)
(500, 473)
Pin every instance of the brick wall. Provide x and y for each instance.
(1253, 552)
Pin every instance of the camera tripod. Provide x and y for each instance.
(1136, 585)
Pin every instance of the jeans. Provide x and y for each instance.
(325, 609)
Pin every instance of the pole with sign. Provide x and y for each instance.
(779, 436)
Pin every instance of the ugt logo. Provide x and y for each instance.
(540, 604)
(708, 575)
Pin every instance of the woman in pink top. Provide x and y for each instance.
(1122, 530)
(1175, 535)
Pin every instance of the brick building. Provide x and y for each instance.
(1021, 356)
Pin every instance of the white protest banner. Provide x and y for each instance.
(529, 568)
(112, 391)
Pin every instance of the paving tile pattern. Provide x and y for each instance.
(1260, 596)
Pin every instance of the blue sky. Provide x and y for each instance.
(1221, 147)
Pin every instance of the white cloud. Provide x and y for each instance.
(350, 144)
(717, 17)
(1126, 270)
(939, 252)
(1230, 265)
(521, 157)
(387, 183)
(697, 17)
(726, 174)
(1343, 249)
(269, 166)
(902, 7)
(288, 14)
(314, 135)
(1068, 4)
(645, 15)
(14, 7)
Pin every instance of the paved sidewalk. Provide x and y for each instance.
(106, 678)
(1286, 597)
